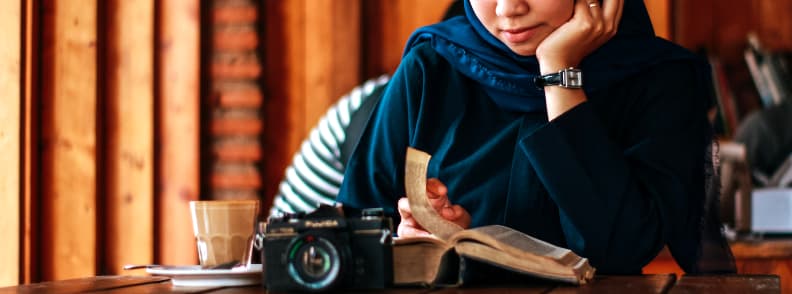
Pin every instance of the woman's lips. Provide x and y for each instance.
(518, 35)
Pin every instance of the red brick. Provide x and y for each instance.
(249, 180)
(236, 70)
(235, 14)
(237, 152)
(236, 126)
(247, 98)
(235, 40)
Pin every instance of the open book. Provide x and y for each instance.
(435, 259)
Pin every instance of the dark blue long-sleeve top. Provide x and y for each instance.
(610, 179)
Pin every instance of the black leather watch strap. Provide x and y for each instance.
(568, 78)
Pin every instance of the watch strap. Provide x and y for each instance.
(568, 78)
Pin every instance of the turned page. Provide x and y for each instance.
(415, 187)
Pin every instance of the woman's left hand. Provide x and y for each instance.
(592, 24)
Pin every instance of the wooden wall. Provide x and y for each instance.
(177, 157)
(127, 163)
(98, 136)
(10, 140)
(722, 25)
(68, 143)
(312, 50)
(318, 50)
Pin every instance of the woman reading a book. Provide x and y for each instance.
(612, 166)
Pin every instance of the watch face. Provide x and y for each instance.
(572, 78)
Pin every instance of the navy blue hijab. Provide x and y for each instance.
(508, 77)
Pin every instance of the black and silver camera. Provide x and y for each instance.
(323, 250)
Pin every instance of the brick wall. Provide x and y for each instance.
(233, 118)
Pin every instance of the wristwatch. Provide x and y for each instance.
(571, 78)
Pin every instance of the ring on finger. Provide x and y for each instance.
(593, 4)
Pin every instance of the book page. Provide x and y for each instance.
(577, 273)
(512, 241)
(415, 171)
(515, 250)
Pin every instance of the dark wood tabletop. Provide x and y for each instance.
(667, 283)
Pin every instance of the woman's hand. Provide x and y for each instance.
(592, 24)
(438, 198)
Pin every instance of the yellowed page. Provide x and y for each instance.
(415, 187)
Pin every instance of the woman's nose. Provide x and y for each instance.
(508, 8)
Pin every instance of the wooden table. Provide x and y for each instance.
(755, 257)
(664, 283)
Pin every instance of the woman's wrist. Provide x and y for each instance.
(548, 66)
(560, 100)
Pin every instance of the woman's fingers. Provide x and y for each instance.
(458, 215)
(408, 226)
(407, 231)
(437, 194)
(438, 198)
(404, 208)
(587, 8)
(612, 12)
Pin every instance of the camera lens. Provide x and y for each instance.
(314, 262)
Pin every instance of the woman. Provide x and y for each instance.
(612, 168)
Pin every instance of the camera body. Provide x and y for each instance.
(324, 250)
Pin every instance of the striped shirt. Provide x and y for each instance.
(317, 169)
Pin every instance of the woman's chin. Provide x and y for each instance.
(523, 50)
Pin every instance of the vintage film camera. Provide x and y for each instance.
(324, 250)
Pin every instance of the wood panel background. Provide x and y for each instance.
(177, 90)
(29, 97)
(388, 24)
(312, 50)
(85, 85)
(102, 103)
(128, 121)
(10, 140)
(68, 139)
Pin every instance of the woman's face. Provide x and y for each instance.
(522, 24)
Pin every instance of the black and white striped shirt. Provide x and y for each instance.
(317, 169)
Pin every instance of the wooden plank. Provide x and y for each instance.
(694, 23)
(30, 213)
(332, 42)
(772, 248)
(728, 284)
(92, 284)
(387, 26)
(768, 266)
(284, 79)
(178, 67)
(732, 22)
(129, 128)
(68, 144)
(10, 140)
(774, 24)
(660, 13)
(621, 284)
